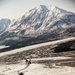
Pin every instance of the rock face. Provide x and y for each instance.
(66, 46)
(40, 24)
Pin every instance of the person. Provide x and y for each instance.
(20, 73)
(28, 61)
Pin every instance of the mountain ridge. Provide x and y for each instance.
(4, 22)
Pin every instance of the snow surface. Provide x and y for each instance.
(3, 46)
(35, 46)
(36, 69)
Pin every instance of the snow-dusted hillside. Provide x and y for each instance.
(40, 24)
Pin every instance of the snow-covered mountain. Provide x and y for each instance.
(41, 20)
(4, 24)
(42, 23)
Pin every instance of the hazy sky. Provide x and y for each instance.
(14, 9)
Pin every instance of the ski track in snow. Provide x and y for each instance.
(35, 46)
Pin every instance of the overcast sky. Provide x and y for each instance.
(14, 9)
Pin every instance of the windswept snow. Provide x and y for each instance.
(35, 46)
(36, 69)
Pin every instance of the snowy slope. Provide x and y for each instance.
(36, 69)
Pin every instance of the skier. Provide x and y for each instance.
(20, 73)
(28, 62)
